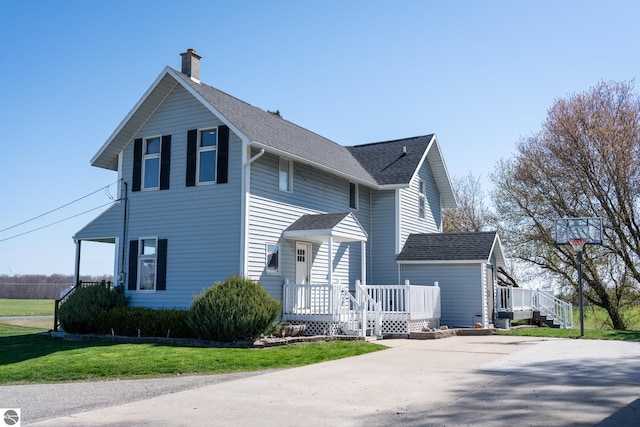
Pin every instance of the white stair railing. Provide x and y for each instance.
(554, 308)
(370, 306)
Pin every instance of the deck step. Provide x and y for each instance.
(548, 320)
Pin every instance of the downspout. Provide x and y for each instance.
(245, 229)
(121, 276)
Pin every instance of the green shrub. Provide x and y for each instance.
(233, 309)
(127, 321)
(78, 312)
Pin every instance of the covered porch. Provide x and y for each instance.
(331, 309)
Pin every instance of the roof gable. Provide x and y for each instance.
(341, 226)
(438, 247)
(392, 162)
(376, 165)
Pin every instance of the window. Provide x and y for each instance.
(207, 150)
(272, 258)
(353, 195)
(151, 163)
(421, 198)
(285, 175)
(147, 265)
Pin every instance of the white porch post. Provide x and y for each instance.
(363, 263)
(76, 271)
(330, 257)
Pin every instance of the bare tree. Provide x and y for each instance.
(584, 162)
(472, 214)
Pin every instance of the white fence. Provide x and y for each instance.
(407, 302)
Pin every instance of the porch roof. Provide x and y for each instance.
(340, 227)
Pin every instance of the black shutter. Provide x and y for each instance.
(165, 162)
(137, 165)
(133, 265)
(161, 283)
(192, 148)
(223, 154)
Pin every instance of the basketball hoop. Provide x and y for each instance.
(577, 244)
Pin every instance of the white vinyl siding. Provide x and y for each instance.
(382, 240)
(202, 223)
(461, 289)
(272, 211)
(409, 206)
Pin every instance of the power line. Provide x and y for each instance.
(56, 222)
(106, 188)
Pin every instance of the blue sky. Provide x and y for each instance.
(479, 74)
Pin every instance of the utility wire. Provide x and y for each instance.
(106, 188)
(54, 223)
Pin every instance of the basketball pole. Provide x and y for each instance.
(580, 292)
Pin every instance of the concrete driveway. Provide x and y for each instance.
(484, 380)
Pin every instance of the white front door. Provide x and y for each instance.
(303, 270)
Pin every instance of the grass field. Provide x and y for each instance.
(29, 358)
(597, 318)
(26, 307)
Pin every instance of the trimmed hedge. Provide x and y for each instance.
(79, 311)
(147, 322)
(233, 309)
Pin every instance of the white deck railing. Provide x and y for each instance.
(406, 302)
(510, 299)
(367, 309)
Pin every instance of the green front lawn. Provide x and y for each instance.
(29, 358)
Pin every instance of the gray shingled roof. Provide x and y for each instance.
(448, 247)
(375, 165)
(271, 131)
(388, 162)
(317, 222)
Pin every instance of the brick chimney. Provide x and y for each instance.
(191, 64)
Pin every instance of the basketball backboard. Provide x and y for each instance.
(566, 229)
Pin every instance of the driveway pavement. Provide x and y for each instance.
(484, 381)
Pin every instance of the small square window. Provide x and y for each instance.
(353, 195)
(272, 258)
(285, 175)
(422, 200)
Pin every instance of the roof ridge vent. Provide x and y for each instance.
(191, 64)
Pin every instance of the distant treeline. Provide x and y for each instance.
(39, 286)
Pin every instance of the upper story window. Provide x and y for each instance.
(207, 151)
(147, 264)
(353, 195)
(151, 163)
(422, 192)
(285, 175)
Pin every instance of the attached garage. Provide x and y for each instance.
(465, 265)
